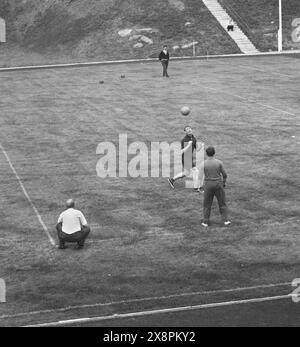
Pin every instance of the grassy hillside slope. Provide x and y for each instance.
(48, 31)
(88, 29)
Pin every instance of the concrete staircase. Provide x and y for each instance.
(244, 44)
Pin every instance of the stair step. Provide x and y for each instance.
(242, 41)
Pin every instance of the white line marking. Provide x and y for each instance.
(218, 291)
(161, 311)
(249, 100)
(261, 70)
(28, 197)
(95, 226)
(266, 71)
(144, 237)
(111, 62)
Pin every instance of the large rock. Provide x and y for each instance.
(125, 32)
(135, 37)
(146, 40)
(179, 5)
(147, 30)
(144, 29)
(138, 45)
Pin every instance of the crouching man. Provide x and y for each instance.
(72, 226)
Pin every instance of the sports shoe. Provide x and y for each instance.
(227, 223)
(171, 181)
(204, 224)
(197, 190)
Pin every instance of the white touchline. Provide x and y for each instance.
(249, 101)
(266, 71)
(161, 311)
(28, 197)
(140, 61)
(129, 301)
(261, 70)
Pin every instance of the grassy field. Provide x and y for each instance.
(146, 240)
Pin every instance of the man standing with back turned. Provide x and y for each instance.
(214, 183)
(164, 58)
(72, 226)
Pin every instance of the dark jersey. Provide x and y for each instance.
(163, 56)
(188, 159)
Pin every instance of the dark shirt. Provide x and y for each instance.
(185, 141)
(188, 155)
(214, 170)
(163, 56)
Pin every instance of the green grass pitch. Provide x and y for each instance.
(147, 239)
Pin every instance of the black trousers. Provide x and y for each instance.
(229, 27)
(165, 65)
(78, 237)
(214, 189)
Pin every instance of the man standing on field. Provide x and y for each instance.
(215, 178)
(72, 226)
(164, 58)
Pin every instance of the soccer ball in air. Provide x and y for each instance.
(185, 110)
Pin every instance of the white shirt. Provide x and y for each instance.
(72, 220)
